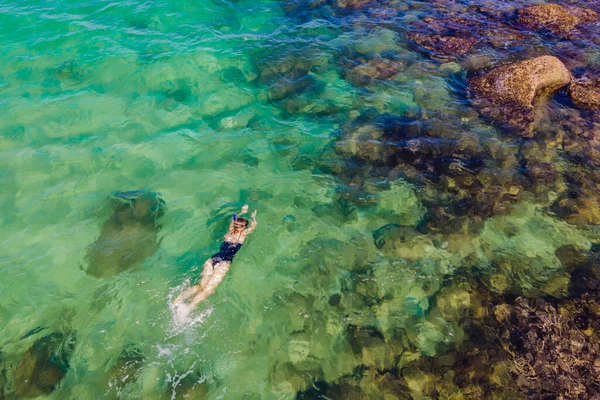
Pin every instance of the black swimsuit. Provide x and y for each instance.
(227, 252)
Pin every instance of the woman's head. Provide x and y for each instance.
(240, 223)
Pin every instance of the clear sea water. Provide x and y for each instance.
(101, 96)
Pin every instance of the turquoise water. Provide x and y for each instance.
(216, 104)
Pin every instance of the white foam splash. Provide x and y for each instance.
(183, 316)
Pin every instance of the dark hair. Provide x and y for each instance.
(242, 220)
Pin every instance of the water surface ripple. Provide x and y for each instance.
(409, 245)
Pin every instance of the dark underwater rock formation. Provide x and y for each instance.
(44, 365)
(129, 236)
(464, 180)
(510, 93)
(555, 18)
(287, 73)
(187, 386)
(361, 337)
(452, 31)
(505, 347)
(584, 268)
(515, 348)
(530, 348)
(579, 204)
(447, 36)
(125, 368)
(68, 70)
(355, 4)
(578, 208)
(445, 45)
(555, 348)
(463, 172)
(292, 82)
(375, 69)
(365, 383)
(390, 233)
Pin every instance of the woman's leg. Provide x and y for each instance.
(207, 272)
(220, 270)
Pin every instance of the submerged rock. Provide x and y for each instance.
(44, 365)
(519, 348)
(522, 82)
(125, 369)
(509, 93)
(375, 69)
(450, 68)
(286, 73)
(464, 181)
(585, 279)
(456, 31)
(361, 337)
(421, 384)
(541, 175)
(340, 208)
(579, 204)
(585, 92)
(512, 349)
(287, 380)
(445, 45)
(298, 349)
(454, 302)
(390, 233)
(129, 236)
(69, 70)
(322, 389)
(555, 347)
(190, 386)
(556, 19)
(355, 4)
(584, 268)
(291, 83)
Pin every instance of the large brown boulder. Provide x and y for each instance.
(524, 81)
(509, 93)
(559, 20)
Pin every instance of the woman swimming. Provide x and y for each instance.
(216, 267)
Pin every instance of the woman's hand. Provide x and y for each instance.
(254, 216)
(245, 209)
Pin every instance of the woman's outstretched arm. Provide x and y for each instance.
(252, 226)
